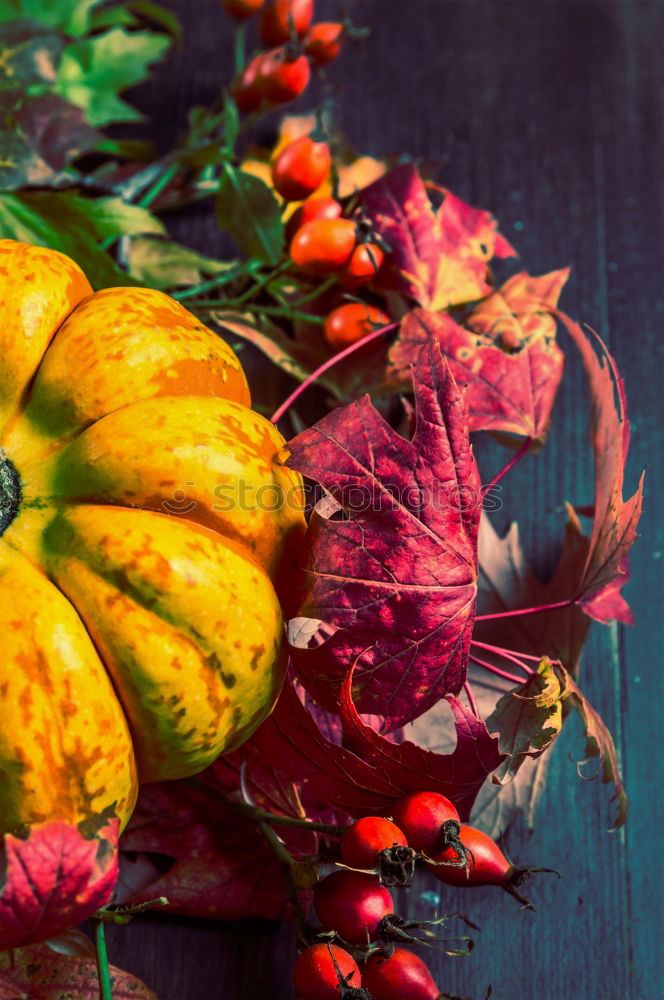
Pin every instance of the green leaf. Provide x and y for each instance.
(272, 344)
(159, 16)
(527, 720)
(29, 55)
(65, 221)
(94, 71)
(114, 217)
(72, 16)
(249, 210)
(137, 13)
(165, 264)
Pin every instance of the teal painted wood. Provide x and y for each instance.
(549, 114)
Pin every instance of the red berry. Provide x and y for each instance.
(315, 975)
(245, 90)
(282, 75)
(240, 10)
(364, 840)
(421, 816)
(487, 863)
(353, 905)
(402, 976)
(343, 327)
(323, 41)
(322, 246)
(363, 265)
(301, 168)
(312, 208)
(274, 27)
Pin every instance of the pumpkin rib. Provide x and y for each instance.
(201, 459)
(148, 588)
(56, 689)
(39, 289)
(129, 344)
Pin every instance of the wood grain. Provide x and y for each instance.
(549, 114)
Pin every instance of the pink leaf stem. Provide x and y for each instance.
(471, 700)
(495, 670)
(525, 447)
(524, 611)
(330, 363)
(505, 655)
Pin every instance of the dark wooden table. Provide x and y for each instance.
(549, 114)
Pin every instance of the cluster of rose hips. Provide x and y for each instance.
(281, 72)
(356, 908)
(323, 243)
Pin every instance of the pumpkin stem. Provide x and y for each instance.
(10, 492)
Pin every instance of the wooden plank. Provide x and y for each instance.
(548, 114)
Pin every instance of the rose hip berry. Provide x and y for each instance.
(363, 842)
(277, 17)
(322, 42)
(353, 905)
(423, 817)
(317, 978)
(402, 975)
(486, 865)
(312, 208)
(301, 168)
(282, 75)
(345, 326)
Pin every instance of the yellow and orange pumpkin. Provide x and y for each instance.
(145, 519)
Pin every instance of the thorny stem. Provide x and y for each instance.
(525, 611)
(505, 654)
(496, 670)
(525, 447)
(310, 379)
(471, 698)
(103, 973)
(286, 861)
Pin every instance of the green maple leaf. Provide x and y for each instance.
(93, 71)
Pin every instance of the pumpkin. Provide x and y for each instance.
(145, 520)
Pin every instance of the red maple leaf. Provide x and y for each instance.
(507, 358)
(438, 256)
(56, 877)
(614, 520)
(376, 772)
(395, 577)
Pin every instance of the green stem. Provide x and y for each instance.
(261, 283)
(239, 48)
(268, 310)
(325, 287)
(105, 989)
(208, 286)
(159, 185)
(259, 815)
(286, 861)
